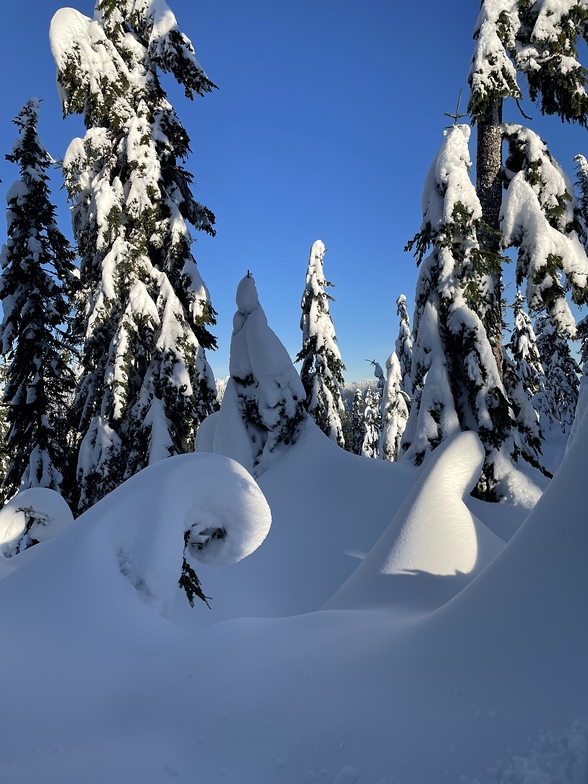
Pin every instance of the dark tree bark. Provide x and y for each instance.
(489, 190)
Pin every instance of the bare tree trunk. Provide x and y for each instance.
(489, 190)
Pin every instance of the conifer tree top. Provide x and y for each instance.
(90, 50)
(538, 40)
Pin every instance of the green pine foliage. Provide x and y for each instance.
(562, 381)
(36, 283)
(143, 313)
(322, 368)
(457, 382)
(536, 39)
(524, 380)
(372, 423)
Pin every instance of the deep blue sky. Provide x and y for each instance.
(327, 118)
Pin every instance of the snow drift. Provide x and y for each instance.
(432, 537)
(101, 688)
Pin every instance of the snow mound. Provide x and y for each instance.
(434, 545)
(328, 507)
(207, 505)
(33, 515)
(210, 499)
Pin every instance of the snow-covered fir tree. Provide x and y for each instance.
(456, 381)
(524, 380)
(322, 369)
(354, 432)
(4, 453)
(582, 191)
(582, 336)
(403, 348)
(562, 383)
(379, 376)
(394, 410)
(538, 217)
(536, 41)
(263, 411)
(143, 312)
(372, 424)
(35, 288)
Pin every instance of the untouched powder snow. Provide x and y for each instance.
(99, 687)
(329, 507)
(36, 514)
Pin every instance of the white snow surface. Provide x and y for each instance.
(98, 686)
(432, 537)
(45, 512)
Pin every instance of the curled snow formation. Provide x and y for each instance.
(205, 503)
(434, 545)
(33, 515)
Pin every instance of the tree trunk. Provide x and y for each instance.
(489, 190)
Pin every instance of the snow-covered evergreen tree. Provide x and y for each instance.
(143, 313)
(582, 190)
(354, 434)
(372, 424)
(562, 383)
(394, 410)
(37, 276)
(4, 453)
(263, 406)
(456, 381)
(582, 335)
(538, 217)
(404, 346)
(524, 380)
(536, 40)
(322, 369)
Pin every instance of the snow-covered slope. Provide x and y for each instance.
(329, 507)
(99, 687)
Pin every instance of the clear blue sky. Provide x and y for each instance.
(327, 118)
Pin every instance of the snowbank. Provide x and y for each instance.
(34, 515)
(434, 545)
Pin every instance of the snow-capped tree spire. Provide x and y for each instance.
(394, 411)
(457, 384)
(322, 368)
(144, 313)
(262, 411)
(35, 286)
(562, 383)
(524, 379)
(403, 347)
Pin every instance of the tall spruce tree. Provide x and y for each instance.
(404, 346)
(524, 380)
(4, 453)
(536, 40)
(35, 286)
(457, 383)
(354, 438)
(372, 424)
(322, 368)
(143, 313)
(562, 382)
(394, 410)
(582, 191)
